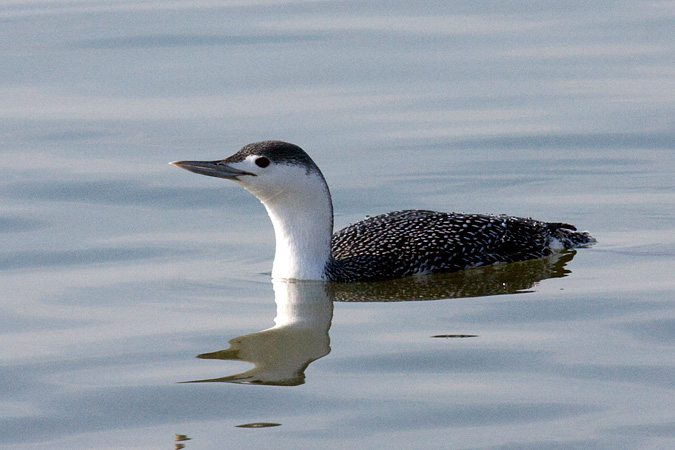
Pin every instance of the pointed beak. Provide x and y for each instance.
(212, 169)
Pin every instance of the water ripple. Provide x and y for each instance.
(178, 40)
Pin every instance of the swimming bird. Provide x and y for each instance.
(397, 244)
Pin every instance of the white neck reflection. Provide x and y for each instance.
(282, 353)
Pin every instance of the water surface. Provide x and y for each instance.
(136, 299)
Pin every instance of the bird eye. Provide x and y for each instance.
(262, 162)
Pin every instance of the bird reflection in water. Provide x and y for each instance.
(281, 354)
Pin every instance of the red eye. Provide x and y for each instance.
(262, 162)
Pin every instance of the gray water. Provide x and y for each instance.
(118, 270)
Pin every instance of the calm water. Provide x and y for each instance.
(125, 280)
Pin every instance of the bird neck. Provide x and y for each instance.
(303, 227)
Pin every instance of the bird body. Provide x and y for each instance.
(411, 242)
(397, 244)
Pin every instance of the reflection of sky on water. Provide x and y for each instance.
(426, 70)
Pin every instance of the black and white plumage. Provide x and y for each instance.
(392, 245)
(410, 242)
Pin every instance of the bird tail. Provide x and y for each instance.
(565, 236)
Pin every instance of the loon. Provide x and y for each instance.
(397, 244)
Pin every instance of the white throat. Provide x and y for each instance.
(302, 216)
